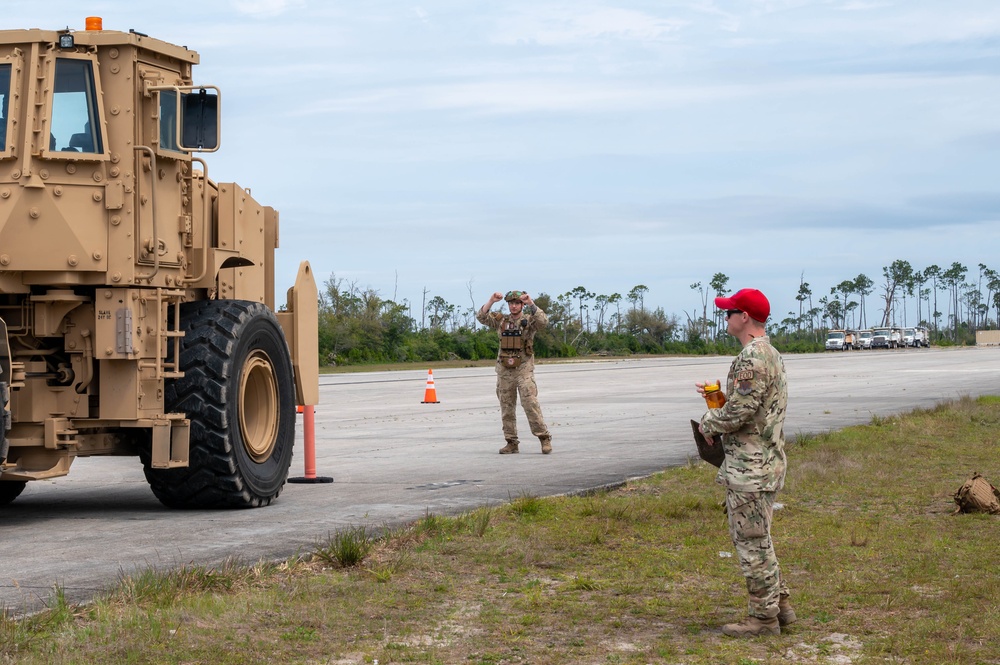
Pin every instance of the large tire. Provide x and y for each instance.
(10, 490)
(238, 392)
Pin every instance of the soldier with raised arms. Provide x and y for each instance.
(516, 364)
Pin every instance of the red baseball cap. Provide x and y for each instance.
(751, 301)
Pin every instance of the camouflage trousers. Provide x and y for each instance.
(750, 515)
(510, 384)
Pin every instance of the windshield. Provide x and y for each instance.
(168, 120)
(866, 334)
(4, 101)
(836, 335)
(74, 108)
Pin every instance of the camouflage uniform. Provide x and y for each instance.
(512, 381)
(751, 425)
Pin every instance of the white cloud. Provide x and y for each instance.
(266, 8)
(567, 25)
(855, 5)
(587, 97)
(728, 21)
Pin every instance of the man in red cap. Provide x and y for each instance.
(750, 429)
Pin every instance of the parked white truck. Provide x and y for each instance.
(865, 339)
(916, 337)
(886, 338)
(925, 336)
(841, 340)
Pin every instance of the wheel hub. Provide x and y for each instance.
(259, 406)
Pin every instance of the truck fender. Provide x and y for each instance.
(300, 323)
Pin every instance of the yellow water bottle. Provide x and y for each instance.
(714, 396)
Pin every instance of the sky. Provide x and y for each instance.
(454, 148)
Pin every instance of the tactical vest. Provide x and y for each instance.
(511, 344)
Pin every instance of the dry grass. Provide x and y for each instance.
(880, 568)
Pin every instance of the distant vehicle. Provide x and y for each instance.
(922, 337)
(895, 338)
(886, 338)
(915, 337)
(865, 339)
(841, 340)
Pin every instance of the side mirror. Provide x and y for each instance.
(199, 119)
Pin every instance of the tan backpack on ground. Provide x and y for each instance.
(977, 495)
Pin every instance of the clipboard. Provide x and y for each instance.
(711, 453)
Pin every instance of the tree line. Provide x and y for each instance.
(357, 325)
(953, 302)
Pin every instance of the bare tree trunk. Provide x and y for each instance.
(472, 298)
(423, 309)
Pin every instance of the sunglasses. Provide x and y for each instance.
(730, 312)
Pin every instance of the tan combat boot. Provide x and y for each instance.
(510, 448)
(546, 444)
(786, 613)
(752, 627)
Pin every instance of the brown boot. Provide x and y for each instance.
(786, 613)
(752, 627)
(510, 448)
(546, 444)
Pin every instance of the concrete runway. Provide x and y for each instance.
(394, 459)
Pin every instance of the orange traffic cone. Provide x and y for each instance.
(430, 395)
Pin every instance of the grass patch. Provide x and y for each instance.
(880, 569)
(346, 548)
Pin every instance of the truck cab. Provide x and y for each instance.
(882, 338)
(896, 338)
(865, 339)
(923, 336)
(916, 337)
(841, 340)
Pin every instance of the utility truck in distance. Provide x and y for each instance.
(137, 312)
(916, 337)
(841, 340)
(887, 338)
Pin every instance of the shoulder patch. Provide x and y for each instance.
(744, 375)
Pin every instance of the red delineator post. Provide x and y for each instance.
(309, 447)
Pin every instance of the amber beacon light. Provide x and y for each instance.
(94, 23)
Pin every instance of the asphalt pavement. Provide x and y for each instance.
(393, 459)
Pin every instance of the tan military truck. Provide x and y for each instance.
(137, 310)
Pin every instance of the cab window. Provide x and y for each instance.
(75, 120)
(4, 104)
(168, 120)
